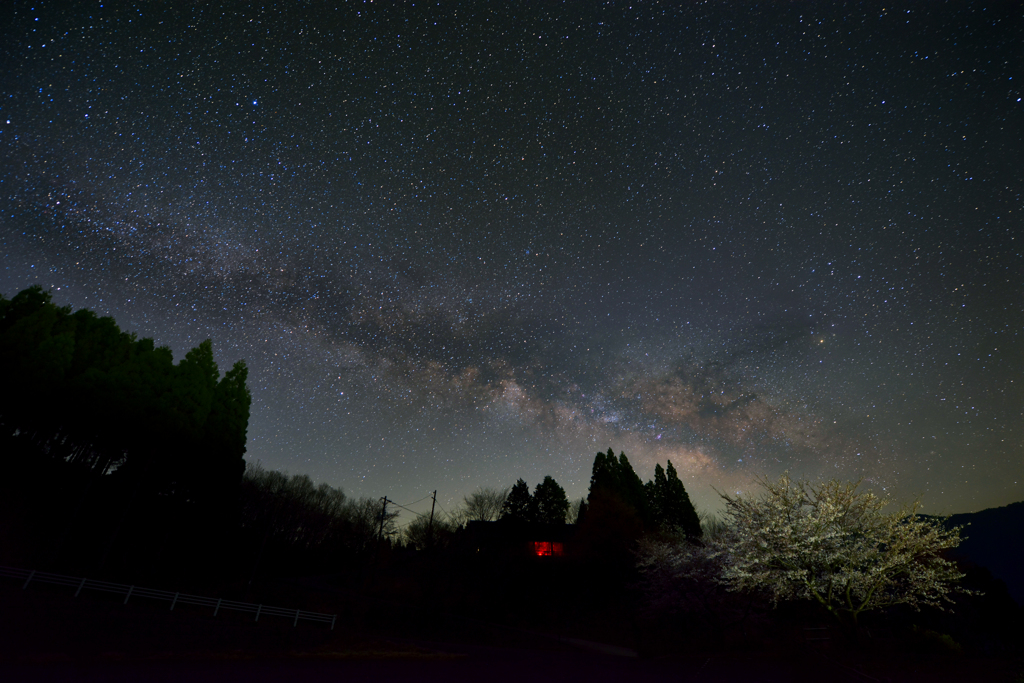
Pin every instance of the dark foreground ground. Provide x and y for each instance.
(46, 635)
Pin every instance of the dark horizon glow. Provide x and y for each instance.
(463, 243)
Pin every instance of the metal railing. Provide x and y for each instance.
(80, 583)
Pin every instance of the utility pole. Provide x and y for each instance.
(430, 525)
(380, 532)
(383, 512)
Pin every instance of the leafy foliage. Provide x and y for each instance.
(115, 402)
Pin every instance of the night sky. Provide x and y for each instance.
(463, 243)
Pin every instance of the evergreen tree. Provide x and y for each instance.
(113, 400)
(519, 505)
(550, 502)
(615, 477)
(657, 493)
(577, 511)
(678, 510)
(37, 345)
(631, 488)
(115, 423)
(191, 396)
(604, 476)
(610, 526)
(228, 420)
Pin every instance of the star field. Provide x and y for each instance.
(462, 243)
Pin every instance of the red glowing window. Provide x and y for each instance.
(546, 549)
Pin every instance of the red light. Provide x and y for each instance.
(547, 549)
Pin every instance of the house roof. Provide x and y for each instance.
(506, 531)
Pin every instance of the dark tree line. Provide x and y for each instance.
(547, 505)
(620, 510)
(661, 504)
(668, 503)
(300, 527)
(619, 496)
(121, 460)
(116, 456)
(82, 392)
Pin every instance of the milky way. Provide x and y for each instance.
(463, 243)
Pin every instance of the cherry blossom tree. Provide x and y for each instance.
(834, 544)
(830, 543)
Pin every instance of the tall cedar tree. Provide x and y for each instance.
(550, 503)
(661, 503)
(604, 476)
(669, 503)
(657, 491)
(615, 477)
(613, 520)
(678, 511)
(519, 504)
(633, 490)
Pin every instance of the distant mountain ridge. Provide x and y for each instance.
(995, 540)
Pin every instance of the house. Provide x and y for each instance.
(514, 538)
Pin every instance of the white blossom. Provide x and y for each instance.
(828, 543)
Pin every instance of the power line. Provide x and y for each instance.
(421, 514)
(446, 513)
(412, 503)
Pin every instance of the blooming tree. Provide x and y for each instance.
(681, 575)
(834, 544)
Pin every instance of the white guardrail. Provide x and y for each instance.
(80, 583)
